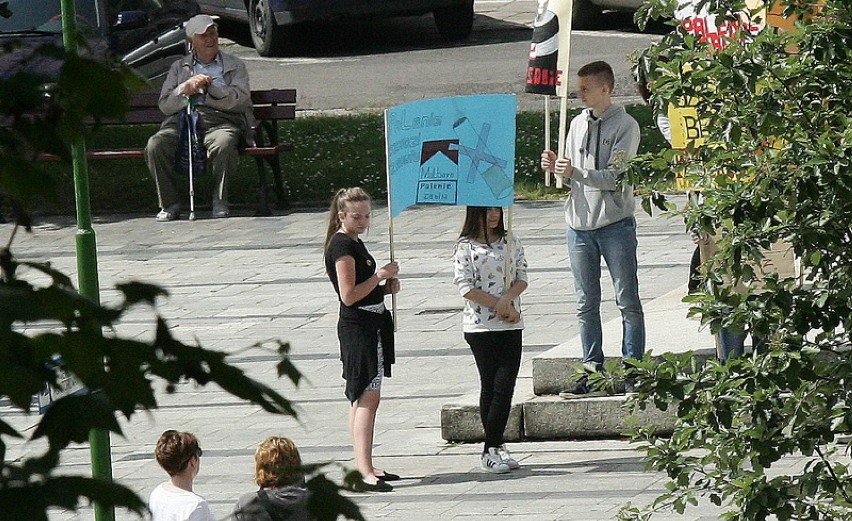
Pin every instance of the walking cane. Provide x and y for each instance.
(190, 156)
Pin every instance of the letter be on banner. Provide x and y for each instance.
(694, 17)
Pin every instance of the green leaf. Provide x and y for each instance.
(136, 292)
(8, 430)
(646, 205)
(23, 374)
(285, 367)
(325, 502)
(30, 501)
(71, 418)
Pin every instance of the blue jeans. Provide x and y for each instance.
(732, 344)
(617, 244)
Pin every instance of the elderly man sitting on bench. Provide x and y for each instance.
(220, 84)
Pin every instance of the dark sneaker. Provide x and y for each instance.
(630, 386)
(579, 386)
(580, 389)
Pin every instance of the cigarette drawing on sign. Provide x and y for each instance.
(451, 151)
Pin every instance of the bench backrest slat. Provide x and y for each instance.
(139, 116)
(275, 112)
(144, 99)
(273, 96)
(273, 104)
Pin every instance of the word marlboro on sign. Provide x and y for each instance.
(451, 151)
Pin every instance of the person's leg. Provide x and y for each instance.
(509, 363)
(222, 150)
(585, 257)
(160, 158)
(482, 347)
(507, 354)
(759, 344)
(731, 343)
(362, 421)
(618, 246)
(695, 278)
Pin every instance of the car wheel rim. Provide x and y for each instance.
(260, 19)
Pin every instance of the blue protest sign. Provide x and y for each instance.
(453, 151)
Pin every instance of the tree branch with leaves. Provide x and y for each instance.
(775, 165)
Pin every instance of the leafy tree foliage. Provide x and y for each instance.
(40, 321)
(775, 166)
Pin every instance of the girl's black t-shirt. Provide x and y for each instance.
(342, 245)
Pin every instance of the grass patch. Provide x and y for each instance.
(331, 152)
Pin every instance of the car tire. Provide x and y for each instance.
(585, 15)
(455, 23)
(268, 37)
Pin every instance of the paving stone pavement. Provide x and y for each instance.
(238, 281)
(234, 282)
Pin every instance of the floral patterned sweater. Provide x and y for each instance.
(478, 265)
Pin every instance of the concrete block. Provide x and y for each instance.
(551, 417)
(460, 421)
(551, 371)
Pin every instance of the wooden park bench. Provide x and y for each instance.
(270, 106)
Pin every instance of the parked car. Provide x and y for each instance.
(146, 34)
(269, 19)
(586, 14)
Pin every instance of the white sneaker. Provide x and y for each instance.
(507, 458)
(169, 213)
(492, 462)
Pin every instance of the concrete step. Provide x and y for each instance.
(538, 414)
(667, 330)
(552, 418)
(460, 419)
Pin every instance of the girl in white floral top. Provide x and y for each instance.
(493, 325)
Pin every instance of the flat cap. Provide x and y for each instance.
(198, 24)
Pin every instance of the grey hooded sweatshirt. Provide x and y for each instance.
(286, 503)
(599, 149)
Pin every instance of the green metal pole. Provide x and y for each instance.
(87, 260)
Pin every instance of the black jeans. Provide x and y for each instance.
(498, 360)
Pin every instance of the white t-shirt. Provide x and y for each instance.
(169, 503)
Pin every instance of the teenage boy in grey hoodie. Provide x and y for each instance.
(599, 213)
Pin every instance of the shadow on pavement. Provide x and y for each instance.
(630, 465)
